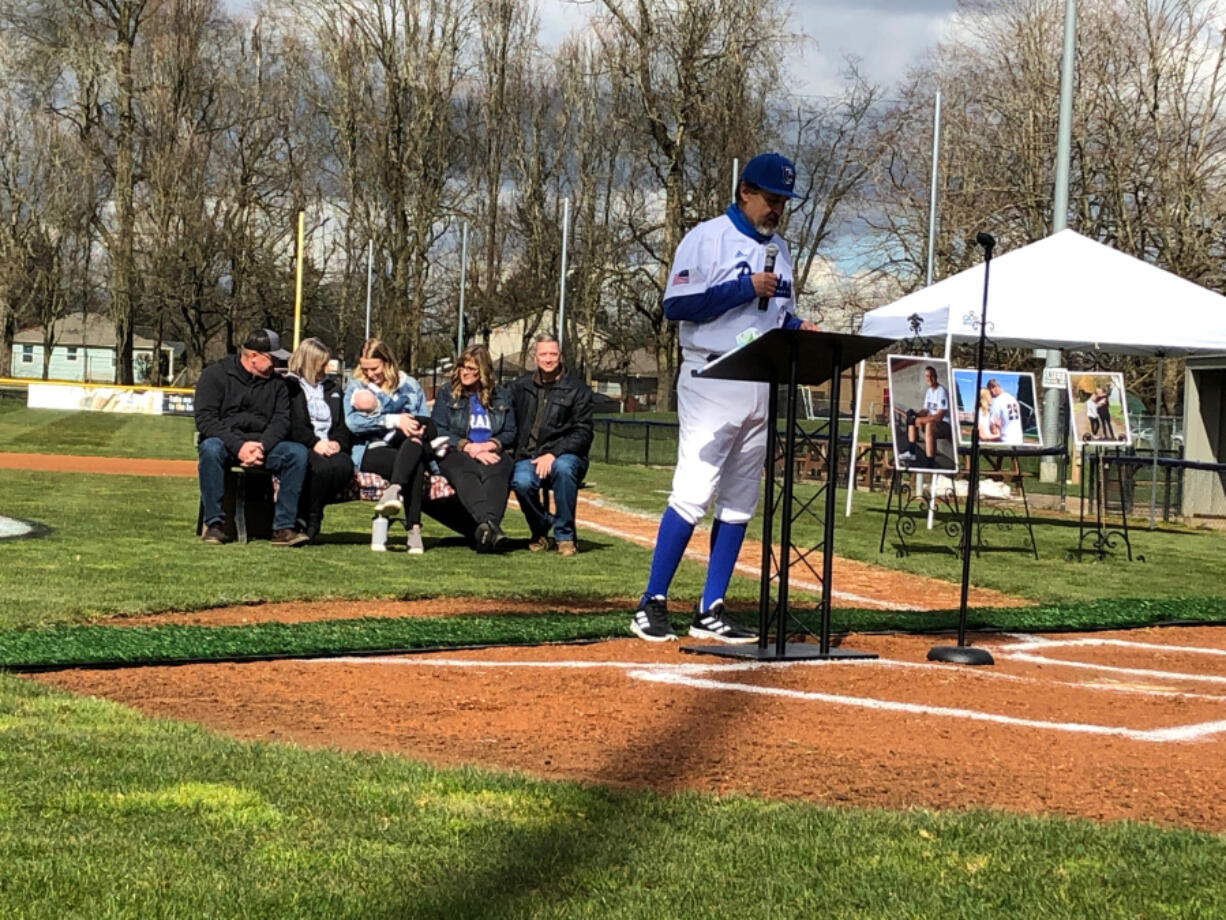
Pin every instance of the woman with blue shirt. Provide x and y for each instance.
(386, 411)
(478, 422)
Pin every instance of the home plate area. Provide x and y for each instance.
(1165, 685)
(1104, 726)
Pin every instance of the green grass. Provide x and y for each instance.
(126, 544)
(74, 645)
(98, 434)
(1170, 553)
(104, 813)
(108, 814)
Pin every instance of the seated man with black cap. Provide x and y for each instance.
(243, 417)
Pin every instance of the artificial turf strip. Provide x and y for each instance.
(108, 814)
(67, 646)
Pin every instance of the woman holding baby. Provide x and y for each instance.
(385, 409)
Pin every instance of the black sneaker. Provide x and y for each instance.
(714, 624)
(651, 621)
(498, 539)
(483, 538)
(213, 535)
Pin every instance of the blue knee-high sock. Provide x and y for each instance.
(726, 540)
(671, 540)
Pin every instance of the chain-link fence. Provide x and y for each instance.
(632, 441)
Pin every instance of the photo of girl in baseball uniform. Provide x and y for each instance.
(922, 414)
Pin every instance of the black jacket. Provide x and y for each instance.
(301, 429)
(236, 406)
(566, 427)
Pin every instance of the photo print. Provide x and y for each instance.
(1005, 408)
(922, 414)
(1098, 409)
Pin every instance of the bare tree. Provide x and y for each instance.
(413, 62)
(694, 69)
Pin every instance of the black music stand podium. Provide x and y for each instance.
(792, 358)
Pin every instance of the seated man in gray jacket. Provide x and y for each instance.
(243, 417)
(553, 411)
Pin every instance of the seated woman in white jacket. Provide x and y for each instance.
(385, 409)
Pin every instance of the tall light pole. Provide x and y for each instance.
(1054, 396)
(932, 187)
(459, 333)
(561, 317)
(370, 275)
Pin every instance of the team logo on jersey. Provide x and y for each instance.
(743, 269)
(682, 277)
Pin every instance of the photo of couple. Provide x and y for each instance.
(1098, 408)
(1003, 409)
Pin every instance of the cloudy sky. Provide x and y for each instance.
(886, 35)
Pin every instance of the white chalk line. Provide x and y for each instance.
(424, 661)
(986, 674)
(1022, 651)
(753, 571)
(730, 667)
(1112, 669)
(1194, 732)
(1029, 642)
(689, 675)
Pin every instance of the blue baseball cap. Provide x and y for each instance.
(771, 172)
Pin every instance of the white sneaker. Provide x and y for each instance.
(907, 456)
(416, 547)
(390, 504)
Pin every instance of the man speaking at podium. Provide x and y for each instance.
(730, 282)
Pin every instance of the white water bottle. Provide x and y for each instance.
(378, 533)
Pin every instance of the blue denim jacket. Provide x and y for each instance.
(408, 397)
(451, 417)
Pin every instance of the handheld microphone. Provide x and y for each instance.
(771, 251)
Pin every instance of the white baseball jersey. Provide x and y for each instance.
(721, 447)
(1006, 414)
(936, 399)
(716, 252)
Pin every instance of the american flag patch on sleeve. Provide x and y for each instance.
(682, 277)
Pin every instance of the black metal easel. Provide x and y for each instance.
(912, 506)
(792, 358)
(1103, 536)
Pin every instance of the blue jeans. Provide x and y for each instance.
(568, 471)
(287, 461)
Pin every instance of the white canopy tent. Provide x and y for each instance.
(1068, 292)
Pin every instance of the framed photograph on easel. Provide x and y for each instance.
(1004, 409)
(922, 414)
(1098, 408)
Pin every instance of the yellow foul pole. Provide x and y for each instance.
(298, 278)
